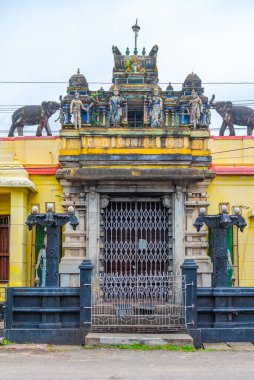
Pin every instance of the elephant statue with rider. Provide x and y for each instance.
(33, 115)
(233, 114)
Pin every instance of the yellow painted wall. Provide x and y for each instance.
(31, 153)
(4, 203)
(232, 151)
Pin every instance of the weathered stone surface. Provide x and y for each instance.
(217, 346)
(241, 346)
(96, 339)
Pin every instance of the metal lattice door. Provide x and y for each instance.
(137, 290)
(136, 238)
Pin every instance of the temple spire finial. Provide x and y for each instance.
(78, 71)
(136, 29)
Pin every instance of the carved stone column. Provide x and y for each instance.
(178, 228)
(103, 117)
(167, 203)
(93, 227)
(74, 241)
(166, 118)
(196, 242)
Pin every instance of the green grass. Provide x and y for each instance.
(5, 342)
(143, 347)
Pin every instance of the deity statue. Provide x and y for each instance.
(208, 115)
(41, 262)
(115, 108)
(75, 109)
(196, 109)
(61, 116)
(156, 104)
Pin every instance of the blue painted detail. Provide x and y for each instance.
(86, 116)
(136, 157)
(86, 268)
(2, 310)
(67, 115)
(189, 271)
(206, 159)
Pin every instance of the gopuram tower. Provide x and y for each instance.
(136, 172)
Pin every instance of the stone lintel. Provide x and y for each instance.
(175, 132)
(139, 173)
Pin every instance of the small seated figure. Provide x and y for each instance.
(115, 108)
(196, 109)
(156, 104)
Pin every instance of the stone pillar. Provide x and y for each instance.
(93, 227)
(167, 203)
(196, 242)
(103, 117)
(173, 118)
(18, 240)
(166, 118)
(178, 229)
(74, 241)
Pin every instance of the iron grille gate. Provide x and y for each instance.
(137, 290)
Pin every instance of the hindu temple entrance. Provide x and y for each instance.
(137, 290)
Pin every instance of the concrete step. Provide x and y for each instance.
(97, 339)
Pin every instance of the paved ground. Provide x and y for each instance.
(73, 363)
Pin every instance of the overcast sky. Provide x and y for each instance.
(47, 40)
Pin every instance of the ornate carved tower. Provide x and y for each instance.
(136, 172)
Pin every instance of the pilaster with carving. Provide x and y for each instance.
(167, 203)
(196, 244)
(74, 241)
(178, 227)
(104, 201)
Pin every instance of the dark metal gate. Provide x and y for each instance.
(137, 290)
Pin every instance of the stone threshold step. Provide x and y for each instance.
(97, 339)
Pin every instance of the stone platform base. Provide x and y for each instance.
(46, 336)
(97, 339)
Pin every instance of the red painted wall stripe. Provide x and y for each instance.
(29, 138)
(233, 170)
(45, 170)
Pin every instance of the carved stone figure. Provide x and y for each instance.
(41, 262)
(115, 108)
(75, 109)
(208, 115)
(115, 50)
(32, 115)
(238, 115)
(61, 116)
(156, 104)
(196, 109)
(154, 51)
